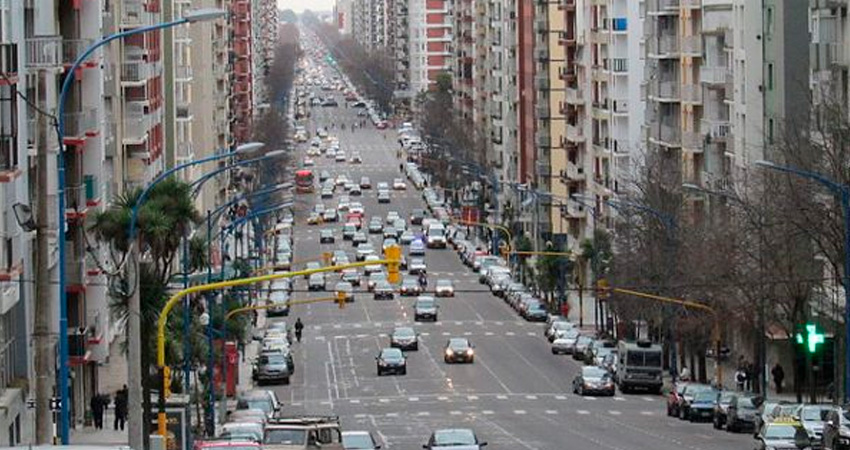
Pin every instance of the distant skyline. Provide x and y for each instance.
(300, 5)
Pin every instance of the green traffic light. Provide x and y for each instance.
(812, 339)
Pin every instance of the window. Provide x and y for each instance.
(768, 21)
(770, 131)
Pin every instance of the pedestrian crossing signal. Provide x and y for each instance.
(166, 381)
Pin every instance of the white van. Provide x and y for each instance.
(436, 235)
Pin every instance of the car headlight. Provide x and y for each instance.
(449, 352)
(469, 352)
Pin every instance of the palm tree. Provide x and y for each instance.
(163, 219)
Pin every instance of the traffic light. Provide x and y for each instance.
(811, 337)
(340, 299)
(393, 254)
(166, 381)
(603, 290)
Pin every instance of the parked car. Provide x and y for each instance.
(455, 438)
(272, 367)
(359, 440)
(701, 407)
(721, 408)
(741, 413)
(836, 431)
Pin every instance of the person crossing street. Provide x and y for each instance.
(299, 328)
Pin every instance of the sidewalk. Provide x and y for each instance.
(112, 376)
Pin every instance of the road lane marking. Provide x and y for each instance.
(455, 413)
(560, 397)
(519, 411)
(383, 400)
(360, 416)
(354, 401)
(425, 334)
(489, 333)
(620, 399)
(479, 323)
(487, 412)
(443, 398)
(510, 333)
(551, 412)
(531, 333)
(531, 397)
(502, 397)
(424, 413)
(583, 412)
(392, 414)
(472, 397)
(446, 333)
(647, 413)
(499, 323)
(413, 399)
(615, 413)
(589, 397)
(648, 399)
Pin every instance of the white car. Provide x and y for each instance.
(340, 157)
(392, 216)
(399, 185)
(356, 208)
(309, 162)
(383, 186)
(372, 268)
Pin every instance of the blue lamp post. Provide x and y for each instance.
(842, 191)
(198, 184)
(199, 15)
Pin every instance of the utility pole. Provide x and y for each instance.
(45, 370)
(135, 428)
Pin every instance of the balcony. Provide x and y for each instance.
(574, 96)
(44, 52)
(80, 124)
(572, 172)
(133, 13)
(665, 46)
(716, 130)
(620, 106)
(75, 202)
(9, 62)
(542, 81)
(542, 110)
(665, 91)
(575, 134)
(715, 76)
(666, 135)
(135, 73)
(8, 154)
(183, 112)
(136, 128)
(542, 53)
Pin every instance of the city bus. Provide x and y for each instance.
(304, 181)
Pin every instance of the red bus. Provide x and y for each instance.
(304, 181)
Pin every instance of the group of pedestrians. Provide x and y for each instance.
(100, 403)
(747, 373)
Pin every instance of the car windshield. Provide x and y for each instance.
(746, 403)
(357, 442)
(454, 437)
(458, 343)
(780, 431)
(705, 397)
(423, 303)
(815, 414)
(404, 332)
(274, 358)
(285, 437)
(593, 372)
(391, 354)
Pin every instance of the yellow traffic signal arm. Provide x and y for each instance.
(162, 321)
(504, 230)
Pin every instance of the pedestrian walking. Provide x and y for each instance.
(121, 399)
(685, 374)
(749, 370)
(299, 328)
(740, 378)
(778, 377)
(97, 406)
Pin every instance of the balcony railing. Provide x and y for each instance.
(574, 96)
(136, 126)
(713, 75)
(133, 13)
(575, 134)
(44, 51)
(91, 187)
(183, 72)
(77, 123)
(669, 135)
(716, 130)
(136, 71)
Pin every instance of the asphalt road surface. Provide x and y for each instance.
(516, 395)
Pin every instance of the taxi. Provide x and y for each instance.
(783, 433)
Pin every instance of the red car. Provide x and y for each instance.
(382, 125)
(355, 218)
(227, 445)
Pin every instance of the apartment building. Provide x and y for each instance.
(16, 247)
(343, 12)
(401, 48)
(559, 136)
(430, 37)
(265, 34)
(464, 61)
(242, 94)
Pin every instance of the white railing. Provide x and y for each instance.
(44, 51)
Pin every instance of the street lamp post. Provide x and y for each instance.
(843, 192)
(199, 183)
(134, 429)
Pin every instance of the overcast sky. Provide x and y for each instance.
(300, 5)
